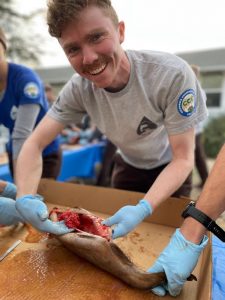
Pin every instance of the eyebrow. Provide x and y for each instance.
(87, 37)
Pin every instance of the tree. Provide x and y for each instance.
(24, 45)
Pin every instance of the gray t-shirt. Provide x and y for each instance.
(161, 97)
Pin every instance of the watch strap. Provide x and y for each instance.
(192, 211)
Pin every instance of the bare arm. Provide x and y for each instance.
(29, 163)
(211, 201)
(172, 177)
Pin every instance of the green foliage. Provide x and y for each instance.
(24, 44)
(214, 136)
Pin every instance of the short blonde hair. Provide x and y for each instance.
(62, 12)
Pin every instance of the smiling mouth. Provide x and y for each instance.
(97, 70)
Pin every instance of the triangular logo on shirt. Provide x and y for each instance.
(145, 125)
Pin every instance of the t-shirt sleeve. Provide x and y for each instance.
(68, 108)
(30, 89)
(185, 104)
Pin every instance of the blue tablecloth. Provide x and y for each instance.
(218, 254)
(79, 162)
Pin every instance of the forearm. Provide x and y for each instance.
(211, 200)
(28, 169)
(168, 181)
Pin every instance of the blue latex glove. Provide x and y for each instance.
(128, 217)
(8, 213)
(9, 191)
(177, 260)
(35, 212)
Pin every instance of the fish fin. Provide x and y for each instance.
(192, 277)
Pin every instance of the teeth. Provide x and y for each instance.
(96, 71)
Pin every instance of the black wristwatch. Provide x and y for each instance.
(192, 211)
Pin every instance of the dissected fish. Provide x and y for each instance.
(92, 240)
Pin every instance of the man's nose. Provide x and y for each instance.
(89, 56)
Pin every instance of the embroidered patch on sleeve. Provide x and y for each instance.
(31, 90)
(186, 103)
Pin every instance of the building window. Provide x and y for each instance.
(212, 80)
(213, 99)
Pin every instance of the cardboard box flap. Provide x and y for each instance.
(108, 200)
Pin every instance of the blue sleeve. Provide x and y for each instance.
(30, 89)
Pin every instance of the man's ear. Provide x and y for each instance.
(121, 29)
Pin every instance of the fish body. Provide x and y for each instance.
(105, 254)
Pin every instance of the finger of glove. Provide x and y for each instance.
(39, 197)
(111, 221)
(42, 212)
(159, 291)
(156, 268)
(175, 288)
(11, 220)
(119, 231)
(57, 228)
(9, 191)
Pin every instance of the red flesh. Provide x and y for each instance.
(85, 222)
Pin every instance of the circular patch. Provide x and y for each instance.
(31, 90)
(186, 103)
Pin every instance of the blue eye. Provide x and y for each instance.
(96, 37)
(72, 51)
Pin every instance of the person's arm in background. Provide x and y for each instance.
(29, 162)
(28, 174)
(26, 118)
(181, 255)
(168, 181)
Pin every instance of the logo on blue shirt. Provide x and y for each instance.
(31, 90)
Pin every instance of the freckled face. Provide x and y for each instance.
(92, 45)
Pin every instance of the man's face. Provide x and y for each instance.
(92, 45)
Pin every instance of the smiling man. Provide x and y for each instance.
(136, 98)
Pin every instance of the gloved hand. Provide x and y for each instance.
(8, 213)
(177, 260)
(35, 212)
(9, 191)
(128, 217)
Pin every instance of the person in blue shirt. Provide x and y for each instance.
(22, 106)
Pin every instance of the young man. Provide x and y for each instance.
(147, 103)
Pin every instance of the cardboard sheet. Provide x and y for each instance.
(41, 268)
